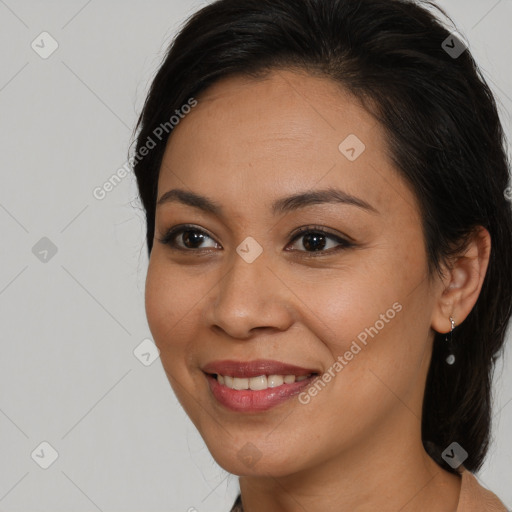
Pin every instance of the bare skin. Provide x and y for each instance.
(356, 446)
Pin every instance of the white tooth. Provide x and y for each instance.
(289, 379)
(220, 378)
(228, 381)
(257, 383)
(301, 377)
(240, 383)
(274, 380)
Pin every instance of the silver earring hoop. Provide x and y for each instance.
(449, 341)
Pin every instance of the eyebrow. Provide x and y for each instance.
(280, 206)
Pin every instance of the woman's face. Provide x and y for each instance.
(242, 293)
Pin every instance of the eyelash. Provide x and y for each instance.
(171, 235)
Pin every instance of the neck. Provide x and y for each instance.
(389, 472)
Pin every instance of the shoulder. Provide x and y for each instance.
(473, 497)
(476, 498)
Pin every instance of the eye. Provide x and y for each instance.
(315, 239)
(190, 237)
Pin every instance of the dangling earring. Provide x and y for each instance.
(449, 341)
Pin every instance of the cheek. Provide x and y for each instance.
(374, 320)
(171, 307)
(172, 311)
(344, 302)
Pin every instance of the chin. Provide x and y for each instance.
(249, 458)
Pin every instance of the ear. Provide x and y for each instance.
(462, 282)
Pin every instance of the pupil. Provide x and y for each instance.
(190, 237)
(311, 239)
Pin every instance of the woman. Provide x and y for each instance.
(329, 281)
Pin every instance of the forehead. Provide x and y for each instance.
(253, 141)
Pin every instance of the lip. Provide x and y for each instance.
(255, 368)
(249, 401)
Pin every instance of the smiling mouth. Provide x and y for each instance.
(258, 385)
(259, 393)
(259, 382)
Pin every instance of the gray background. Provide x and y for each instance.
(72, 320)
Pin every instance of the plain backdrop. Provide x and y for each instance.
(77, 391)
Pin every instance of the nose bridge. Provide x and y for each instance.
(249, 295)
(246, 277)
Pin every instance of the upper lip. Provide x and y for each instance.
(254, 368)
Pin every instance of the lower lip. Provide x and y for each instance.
(246, 400)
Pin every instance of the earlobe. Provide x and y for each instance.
(463, 283)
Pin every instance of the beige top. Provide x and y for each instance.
(473, 497)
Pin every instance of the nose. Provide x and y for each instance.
(250, 297)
